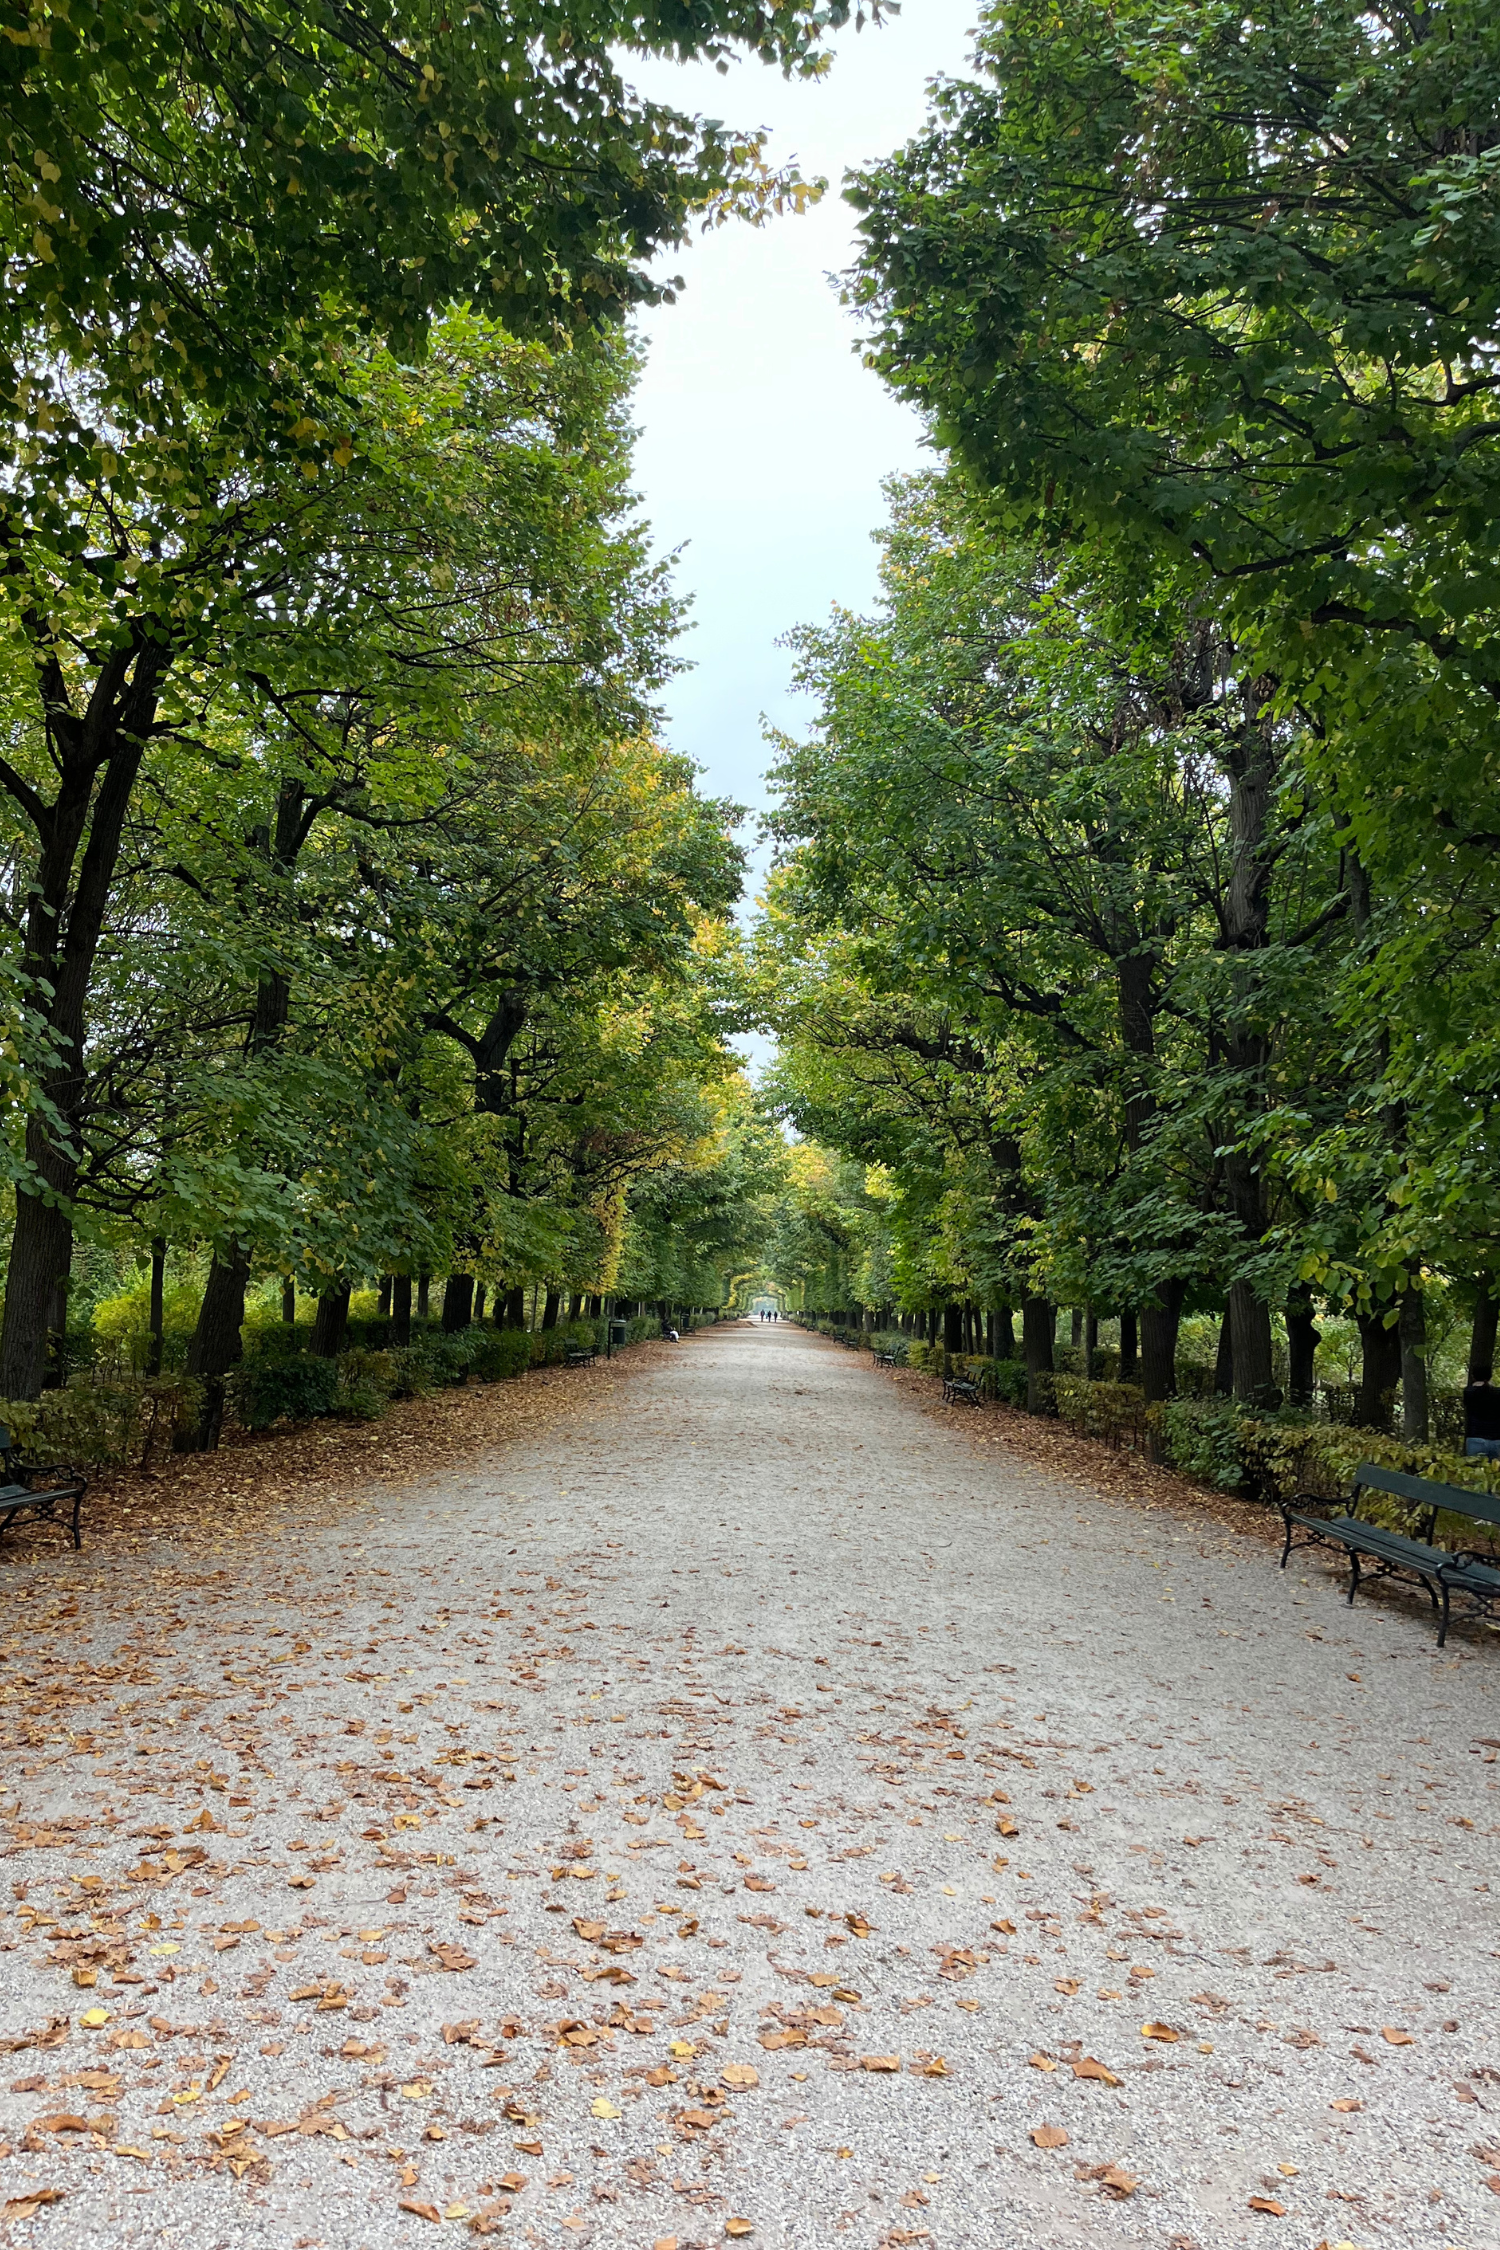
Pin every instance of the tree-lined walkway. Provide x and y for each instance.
(743, 1802)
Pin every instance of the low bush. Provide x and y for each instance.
(1115, 1412)
(101, 1423)
(1283, 1458)
(1202, 1437)
(274, 1384)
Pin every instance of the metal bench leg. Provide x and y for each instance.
(1353, 1576)
(1443, 1626)
(1286, 1550)
(77, 1535)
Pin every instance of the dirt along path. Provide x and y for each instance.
(744, 1807)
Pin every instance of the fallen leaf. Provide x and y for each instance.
(880, 2062)
(740, 2074)
(27, 2206)
(1091, 2067)
(603, 2107)
(1049, 2136)
(1041, 2062)
(1395, 2038)
(738, 2227)
(454, 1957)
(1348, 2104)
(1268, 2203)
(420, 2210)
(1161, 2031)
(701, 2120)
(1066, 1985)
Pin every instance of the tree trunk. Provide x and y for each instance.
(515, 1309)
(1224, 1364)
(549, 1311)
(401, 1310)
(1380, 1371)
(1091, 1344)
(458, 1302)
(215, 1348)
(1036, 1333)
(1482, 1334)
(480, 1293)
(158, 1322)
(40, 1255)
(383, 1302)
(1075, 1327)
(1301, 1345)
(289, 1302)
(1413, 1334)
(953, 1328)
(331, 1327)
(1250, 1329)
(1159, 1325)
(424, 1296)
(1127, 1347)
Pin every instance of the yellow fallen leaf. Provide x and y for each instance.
(1397, 2038)
(1161, 2031)
(603, 2107)
(738, 2228)
(740, 2074)
(93, 2019)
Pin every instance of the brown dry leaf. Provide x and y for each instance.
(1041, 2062)
(701, 2120)
(934, 2067)
(1397, 2038)
(880, 2062)
(740, 2074)
(1066, 1985)
(420, 2210)
(1348, 2104)
(453, 1956)
(1161, 2031)
(588, 1931)
(1005, 1826)
(738, 2227)
(1049, 2136)
(1269, 2204)
(858, 1924)
(27, 2206)
(758, 1883)
(1118, 2181)
(1091, 2067)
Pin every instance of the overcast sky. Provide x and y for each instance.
(764, 441)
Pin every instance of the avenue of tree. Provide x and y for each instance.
(1136, 913)
(1131, 945)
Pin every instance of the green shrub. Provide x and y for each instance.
(273, 1384)
(123, 1322)
(1008, 1376)
(100, 1423)
(1203, 1438)
(1115, 1412)
(500, 1354)
(919, 1354)
(366, 1384)
(1284, 1458)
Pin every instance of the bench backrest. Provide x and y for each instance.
(1424, 1493)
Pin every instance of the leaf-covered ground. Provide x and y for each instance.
(721, 1797)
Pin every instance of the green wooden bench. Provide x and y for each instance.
(1375, 1552)
(21, 1494)
(961, 1390)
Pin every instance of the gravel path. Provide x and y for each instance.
(747, 1805)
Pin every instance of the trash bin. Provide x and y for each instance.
(619, 1333)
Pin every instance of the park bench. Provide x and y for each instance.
(1375, 1552)
(961, 1390)
(22, 1495)
(885, 1359)
(581, 1355)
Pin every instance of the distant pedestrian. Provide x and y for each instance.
(1482, 1414)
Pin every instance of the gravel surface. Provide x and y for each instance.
(747, 1804)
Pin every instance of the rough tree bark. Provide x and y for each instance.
(1036, 1336)
(331, 1326)
(157, 1324)
(458, 1302)
(1482, 1333)
(401, 1310)
(1380, 1370)
(215, 1348)
(1412, 1331)
(1301, 1344)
